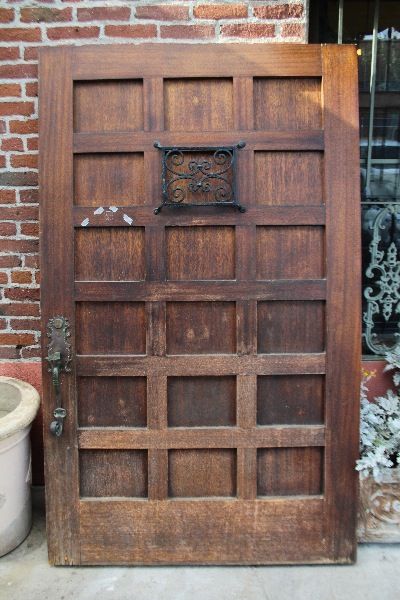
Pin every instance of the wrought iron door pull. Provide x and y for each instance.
(59, 359)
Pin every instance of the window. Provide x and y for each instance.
(374, 26)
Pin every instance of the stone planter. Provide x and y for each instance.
(379, 508)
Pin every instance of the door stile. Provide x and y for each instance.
(155, 271)
(57, 251)
(343, 334)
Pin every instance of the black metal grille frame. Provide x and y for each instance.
(212, 179)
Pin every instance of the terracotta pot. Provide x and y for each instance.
(379, 508)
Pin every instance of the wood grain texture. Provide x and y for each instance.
(113, 473)
(288, 178)
(121, 532)
(186, 60)
(285, 102)
(255, 140)
(101, 106)
(112, 402)
(343, 344)
(106, 254)
(201, 473)
(56, 196)
(289, 471)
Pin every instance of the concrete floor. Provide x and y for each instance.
(26, 575)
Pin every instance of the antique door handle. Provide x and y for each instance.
(59, 359)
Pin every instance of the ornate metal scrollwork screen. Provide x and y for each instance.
(199, 176)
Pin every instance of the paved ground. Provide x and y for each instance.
(26, 575)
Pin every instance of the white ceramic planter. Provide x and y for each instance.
(379, 508)
(19, 403)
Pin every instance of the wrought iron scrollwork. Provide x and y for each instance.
(210, 178)
(383, 295)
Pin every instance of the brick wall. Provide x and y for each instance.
(25, 26)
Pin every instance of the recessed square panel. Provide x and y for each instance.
(109, 254)
(201, 401)
(195, 253)
(288, 178)
(110, 328)
(104, 473)
(289, 471)
(287, 103)
(201, 327)
(109, 179)
(112, 401)
(290, 252)
(201, 473)
(291, 326)
(198, 104)
(290, 399)
(120, 109)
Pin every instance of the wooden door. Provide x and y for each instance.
(212, 412)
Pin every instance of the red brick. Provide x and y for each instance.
(3, 323)
(248, 30)
(9, 53)
(20, 309)
(8, 229)
(37, 277)
(19, 213)
(18, 178)
(22, 293)
(24, 160)
(19, 246)
(10, 89)
(279, 11)
(3, 127)
(8, 353)
(131, 31)
(17, 108)
(6, 15)
(31, 353)
(30, 196)
(45, 15)
(27, 126)
(14, 339)
(7, 196)
(25, 324)
(15, 144)
(20, 34)
(106, 13)
(67, 33)
(24, 71)
(8, 262)
(33, 143)
(187, 31)
(2, 161)
(3, 278)
(30, 229)
(21, 277)
(32, 262)
(293, 30)
(31, 89)
(220, 11)
(31, 53)
(163, 13)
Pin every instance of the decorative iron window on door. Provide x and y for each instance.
(195, 176)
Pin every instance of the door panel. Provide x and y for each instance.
(211, 406)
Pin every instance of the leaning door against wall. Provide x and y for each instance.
(200, 259)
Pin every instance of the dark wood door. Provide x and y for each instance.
(212, 412)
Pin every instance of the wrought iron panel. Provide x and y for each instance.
(199, 176)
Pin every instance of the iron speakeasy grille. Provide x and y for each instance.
(199, 176)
